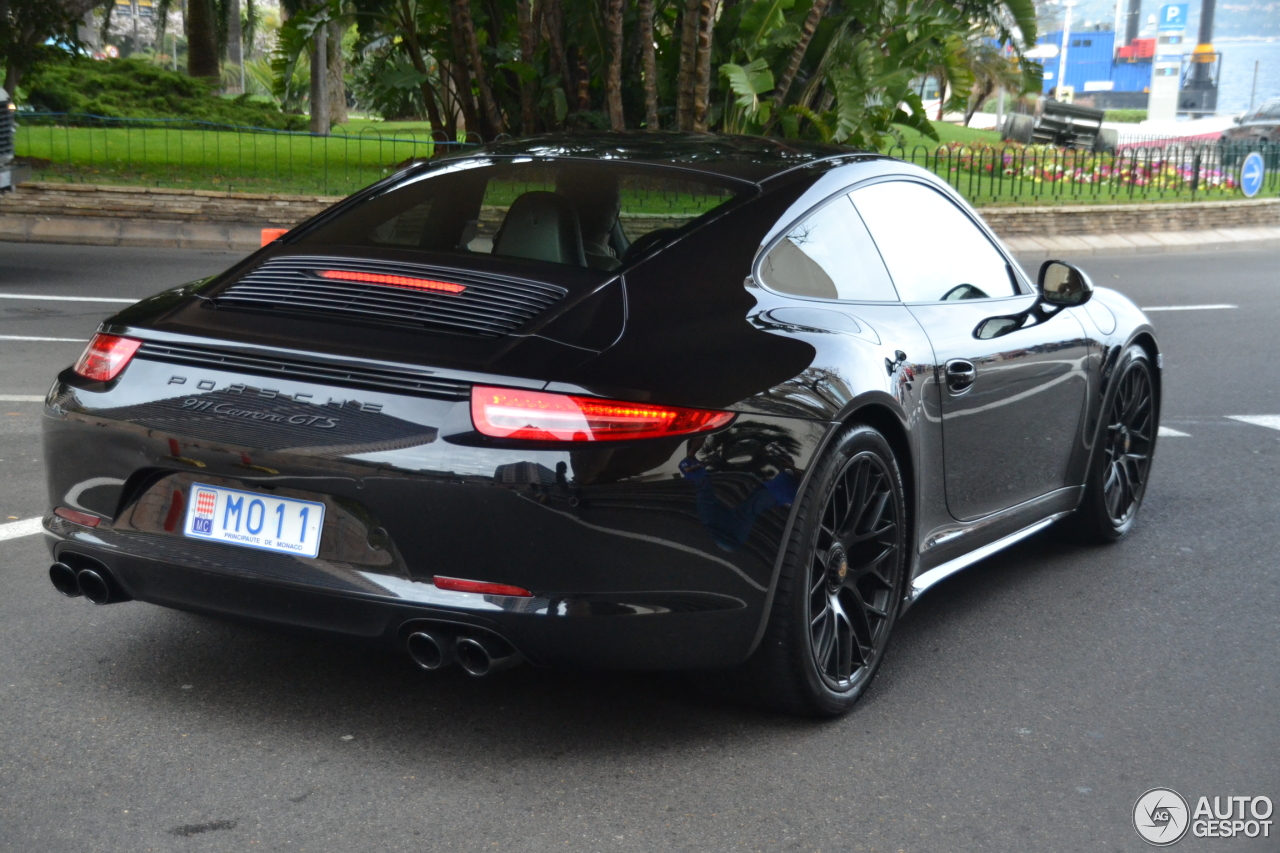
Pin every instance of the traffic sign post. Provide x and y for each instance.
(1252, 174)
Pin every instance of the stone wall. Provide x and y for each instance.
(1103, 219)
(143, 216)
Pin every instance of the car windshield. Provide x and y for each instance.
(570, 212)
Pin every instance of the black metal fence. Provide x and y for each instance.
(1017, 174)
(200, 155)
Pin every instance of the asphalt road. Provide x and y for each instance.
(1025, 704)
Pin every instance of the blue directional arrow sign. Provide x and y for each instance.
(1252, 174)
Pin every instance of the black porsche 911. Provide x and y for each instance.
(614, 401)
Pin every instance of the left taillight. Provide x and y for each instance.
(106, 356)
(538, 416)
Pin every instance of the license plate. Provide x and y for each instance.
(254, 520)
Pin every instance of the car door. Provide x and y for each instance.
(1010, 406)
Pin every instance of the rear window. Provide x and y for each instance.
(594, 215)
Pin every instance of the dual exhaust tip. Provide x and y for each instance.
(478, 654)
(88, 578)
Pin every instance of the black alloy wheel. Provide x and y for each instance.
(842, 581)
(1128, 444)
(1122, 461)
(852, 576)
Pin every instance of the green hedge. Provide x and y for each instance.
(134, 88)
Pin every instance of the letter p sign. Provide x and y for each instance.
(1173, 17)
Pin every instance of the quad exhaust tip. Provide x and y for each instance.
(431, 650)
(64, 579)
(485, 654)
(75, 575)
(478, 653)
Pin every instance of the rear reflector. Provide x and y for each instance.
(106, 356)
(459, 585)
(75, 517)
(393, 281)
(539, 416)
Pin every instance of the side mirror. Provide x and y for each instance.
(1063, 285)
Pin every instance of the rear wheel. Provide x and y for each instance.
(1122, 461)
(841, 584)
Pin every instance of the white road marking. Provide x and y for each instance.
(29, 338)
(42, 297)
(1272, 421)
(21, 398)
(18, 529)
(1188, 307)
(1170, 432)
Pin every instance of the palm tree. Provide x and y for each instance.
(613, 73)
(202, 40)
(648, 63)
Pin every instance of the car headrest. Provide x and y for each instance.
(541, 226)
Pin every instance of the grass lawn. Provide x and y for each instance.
(363, 151)
(948, 132)
(219, 160)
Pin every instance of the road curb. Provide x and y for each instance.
(1141, 243)
(222, 236)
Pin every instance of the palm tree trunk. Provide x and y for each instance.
(649, 65)
(235, 47)
(807, 29)
(467, 30)
(528, 45)
(404, 18)
(461, 77)
(337, 74)
(202, 40)
(320, 81)
(613, 74)
(942, 95)
(688, 64)
(702, 80)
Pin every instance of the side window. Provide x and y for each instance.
(933, 251)
(829, 255)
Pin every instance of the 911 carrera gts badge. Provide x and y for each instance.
(195, 404)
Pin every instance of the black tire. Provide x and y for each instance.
(847, 553)
(1018, 128)
(1121, 463)
(1106, 141)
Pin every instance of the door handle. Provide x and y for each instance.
(960, 375)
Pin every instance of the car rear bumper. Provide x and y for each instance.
(630, 563)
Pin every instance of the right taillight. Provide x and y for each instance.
(106, 356)
(539, 416)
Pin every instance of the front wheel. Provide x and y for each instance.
(841, 584)
(1121, 462)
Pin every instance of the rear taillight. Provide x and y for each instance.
(539, 416)
(393, 281)
(106, 356)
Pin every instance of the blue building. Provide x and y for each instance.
(1094, 72)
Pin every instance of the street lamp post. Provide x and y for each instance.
(1062, 55)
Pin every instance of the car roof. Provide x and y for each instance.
(750, 158)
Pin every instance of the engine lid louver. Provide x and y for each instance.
(483, 305)
(417, 383)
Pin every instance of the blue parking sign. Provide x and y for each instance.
(1252, 173)
(1173, 16)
